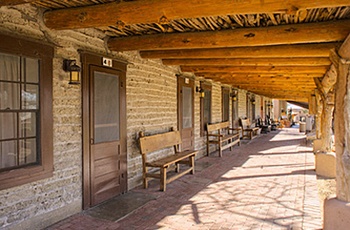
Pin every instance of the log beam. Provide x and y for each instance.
(263, 76)
(278, 51)
(332, 31)
(250, 61)
(256, 70)
(159, 11)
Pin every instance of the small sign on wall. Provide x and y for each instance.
(187, 80)
(107, 62)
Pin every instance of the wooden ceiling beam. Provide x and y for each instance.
(160, 11)
(278, 51)
(14, 2)
(331, 31)
(256, 70)
(250, 61)
(263, 76)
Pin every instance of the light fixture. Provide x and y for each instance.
(73, 69)
(234, 94)
(252, 100)
(200, 90)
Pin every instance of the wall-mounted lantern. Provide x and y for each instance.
(252, 100)
(73, 69)
(201, 91)
(234, 94)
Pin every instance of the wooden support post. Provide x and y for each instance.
(337, 210)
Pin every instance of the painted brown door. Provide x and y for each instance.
(186, 112)
(105, 153)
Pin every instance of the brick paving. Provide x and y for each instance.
(268, 183)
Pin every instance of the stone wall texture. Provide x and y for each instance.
(151, 107)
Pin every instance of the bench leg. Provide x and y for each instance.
(207, 148)
(177, 167)
(163, 179)
(192, 164)
(229, 142)
(220, 151)
(145, 180)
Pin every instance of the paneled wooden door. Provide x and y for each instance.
(185, 92)
(105, 171)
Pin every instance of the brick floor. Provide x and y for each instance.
(268, 183)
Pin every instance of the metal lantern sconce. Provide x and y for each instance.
(252, 100)
(234, 94)
(200, 90)
(73, 69)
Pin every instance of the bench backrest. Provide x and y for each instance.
(245, 123)
(217, 126)
(159, 141)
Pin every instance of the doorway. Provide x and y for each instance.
(185, 98)
(104, 130)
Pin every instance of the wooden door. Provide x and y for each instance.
(185, 89)
(104, 131)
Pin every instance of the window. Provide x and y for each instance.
(225, 104)
(205, 107)
(25, 111)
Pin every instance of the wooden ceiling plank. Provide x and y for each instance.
(331, 31)
(255, 70)
(278, 51)
(250, 61)
(145, 11)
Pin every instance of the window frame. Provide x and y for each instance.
(205, 86)
(44, 53)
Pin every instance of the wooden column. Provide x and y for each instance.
(337, 210)
(318, 120)
(342, 123)
(327, 117)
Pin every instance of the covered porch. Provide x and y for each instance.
(79, 80)
(268, 183)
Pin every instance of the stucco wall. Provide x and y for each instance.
(151, 107)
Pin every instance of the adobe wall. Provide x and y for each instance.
(151, 107)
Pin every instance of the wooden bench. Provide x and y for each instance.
(156, 142)
(222, 135)
(248, 130)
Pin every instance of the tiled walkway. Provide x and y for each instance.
(268, 183)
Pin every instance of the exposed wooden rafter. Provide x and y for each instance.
(278, 51)
(256, 70)
(250, 61)
(160, 11)
(331, 31)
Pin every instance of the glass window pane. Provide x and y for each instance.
(187, 107)
(9, 67)
(9, 96)
(106, 107)
(27, 151)
(30, 96)
(27, 124)
(32, 70)
(8, 154)
(8, 124)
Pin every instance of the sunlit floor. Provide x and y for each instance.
(266, 183)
